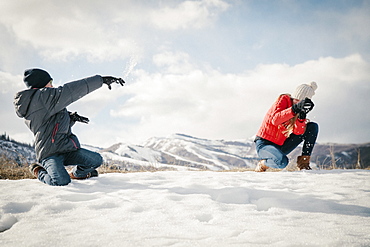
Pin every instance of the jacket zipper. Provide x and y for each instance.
(55, 130)
(74, 143)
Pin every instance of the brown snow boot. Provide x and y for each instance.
(261, 167)
(35, 168)
(303, 162)
(94, 173)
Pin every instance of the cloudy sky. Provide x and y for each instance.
(207, 68)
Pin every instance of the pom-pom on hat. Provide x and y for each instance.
(305, 90)
(36, 78)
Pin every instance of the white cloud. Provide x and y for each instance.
(351, 26)
(99, 32)
(63, 33)
(10, 83)
(209, 104)
(206, 103)
(10, 123)
(178, 62)
(179, 93)
(188, 14)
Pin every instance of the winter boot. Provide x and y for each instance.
(35, 168)
(261, 167)
(94, 173)
(303, 162)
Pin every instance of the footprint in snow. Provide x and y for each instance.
(17, 207)
(78, 197)
(6, 222)
(204, 217)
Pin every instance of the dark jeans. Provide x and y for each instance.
(276, 156)
(55, 173)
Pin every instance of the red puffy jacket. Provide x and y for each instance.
(274, 124)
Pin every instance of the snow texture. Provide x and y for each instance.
(190, 208)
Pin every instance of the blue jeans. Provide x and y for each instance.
(55, 173)
(276, 156)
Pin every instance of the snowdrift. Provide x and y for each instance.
(190, 208)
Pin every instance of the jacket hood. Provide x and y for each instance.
(22, 100)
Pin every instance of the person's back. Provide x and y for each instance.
(45, 113)
(44, 109)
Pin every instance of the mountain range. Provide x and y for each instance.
(184, 152)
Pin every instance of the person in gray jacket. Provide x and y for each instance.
(44, 109)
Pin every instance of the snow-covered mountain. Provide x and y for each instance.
(184, 152)
(19, 152)
(176, 152)
(180, 151)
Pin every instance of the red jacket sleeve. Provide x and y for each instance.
(283, 111)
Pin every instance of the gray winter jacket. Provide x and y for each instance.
(45, 113)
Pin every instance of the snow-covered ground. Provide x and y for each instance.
(189, 208)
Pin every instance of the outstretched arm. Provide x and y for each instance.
(56, 99)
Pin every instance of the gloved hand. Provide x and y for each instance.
(110, 79)
(305, 106)
(77, 118)
(308, 105)
(302, 115)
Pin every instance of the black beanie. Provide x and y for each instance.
(36, 78)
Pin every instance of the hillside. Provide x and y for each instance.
(20, 153)
(184, 152)
(179, 151)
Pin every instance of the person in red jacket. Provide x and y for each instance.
(284, 127)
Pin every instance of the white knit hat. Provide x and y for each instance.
(305, 90)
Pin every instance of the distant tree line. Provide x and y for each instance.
(6, 137)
